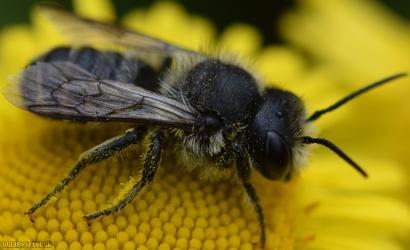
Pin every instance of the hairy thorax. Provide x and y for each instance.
(208, 157)
(226, 97)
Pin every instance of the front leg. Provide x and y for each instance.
(150, 164)
(243, 169)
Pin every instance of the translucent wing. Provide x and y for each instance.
(86, 30)
(66, 91)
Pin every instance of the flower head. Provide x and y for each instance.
(327, 207)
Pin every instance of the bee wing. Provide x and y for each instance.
(66, 91)
(85, 30)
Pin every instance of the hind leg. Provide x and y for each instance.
(97, 154)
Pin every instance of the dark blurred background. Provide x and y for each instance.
(261, 14)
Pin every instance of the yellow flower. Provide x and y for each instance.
(328, 207)
(358, 42)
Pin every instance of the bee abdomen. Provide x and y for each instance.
(106, 65)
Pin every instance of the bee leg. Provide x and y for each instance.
(243, 169)
(99, 153)
(150, 166)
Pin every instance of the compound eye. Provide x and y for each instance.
(276, 158)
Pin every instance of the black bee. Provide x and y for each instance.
(211, 112)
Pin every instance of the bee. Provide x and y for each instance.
(210, 112)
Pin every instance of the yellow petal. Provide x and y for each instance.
(242, 39)
(95, 9)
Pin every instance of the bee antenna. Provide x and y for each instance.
(335, 149)
(349, 97)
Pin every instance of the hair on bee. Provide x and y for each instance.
(210, 112)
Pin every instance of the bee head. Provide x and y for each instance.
(274, 133)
